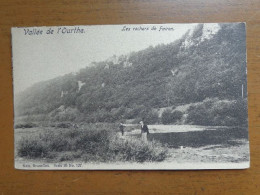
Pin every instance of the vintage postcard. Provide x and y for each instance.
(131, 97)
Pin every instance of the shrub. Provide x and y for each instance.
(92, 141)
(134, 149)
(118, 113)
(58, 143)
(151, 117)
(219, 112)
(32, 147)
(43, 144)
(176, 115)
(166, 116)
(147, 115)
(169, 117)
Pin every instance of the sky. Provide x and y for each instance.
(42, 57)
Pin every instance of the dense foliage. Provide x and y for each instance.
(217, 112)
(132, 86)
(169, 117)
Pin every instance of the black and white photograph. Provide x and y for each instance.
(130, 97)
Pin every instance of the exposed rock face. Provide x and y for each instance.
(63, 93)
(80, 84)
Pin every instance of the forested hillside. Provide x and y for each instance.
(206, 67)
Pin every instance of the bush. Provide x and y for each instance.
(151, 117)
(169, 117)
(177, 115)
(166, 116)
(219, 112)
(32, 147)
(92, 141)
(147, 115)
(136, 150)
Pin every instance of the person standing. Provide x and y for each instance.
(144, 131)
(121, 128)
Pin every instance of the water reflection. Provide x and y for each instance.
(222, 136)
